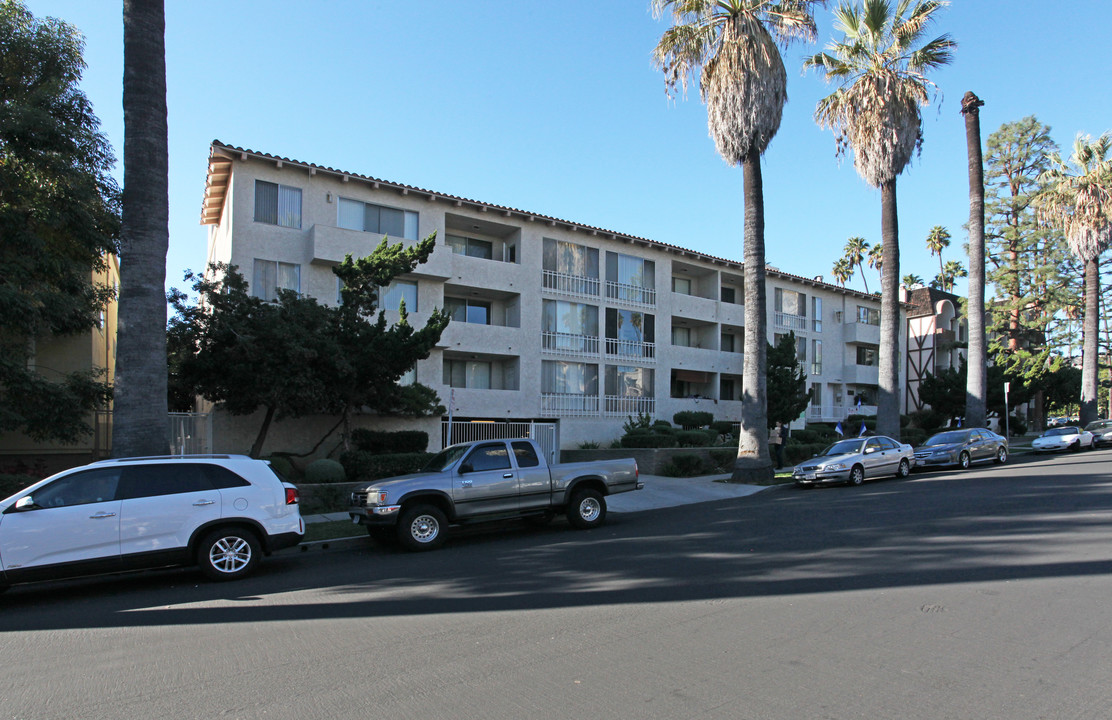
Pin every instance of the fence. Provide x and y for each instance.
(545, 434)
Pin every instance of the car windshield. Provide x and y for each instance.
(445, 458)
(946, 438)
(1060, 431)
(843, 447)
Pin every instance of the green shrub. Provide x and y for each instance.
(684, 465)
(696, 438)
(806, 436)
(364, 466)
(11, 483)
(663, 426)
(913, 436)
(644, 420)
(723, 427)
(616, 444)
(650, 440)
(325, 471)
(378, 442)
(589, 445)
(281, 465)
(723, 459)
(1016, 425)
(929, 420)
(688, 419)
(325, 500)
(795, 454)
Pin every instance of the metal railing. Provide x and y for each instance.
(620, 405)
(569, 344)
(631, 349)
(569, 404)
(566, 284)
(630, 294)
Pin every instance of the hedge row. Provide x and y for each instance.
(360, 465)
(10, 484)
(377, 442)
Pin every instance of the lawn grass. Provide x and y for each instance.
(331, 530)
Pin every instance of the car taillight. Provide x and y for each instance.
(291, 496)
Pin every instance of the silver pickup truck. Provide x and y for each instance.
(487, 480)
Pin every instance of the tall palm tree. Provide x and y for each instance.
(938, 239)
(856, 250)
(140, 405)
(1078, 199)
(949, 275)
(731, 45)
(880, 65)
(876, 258)
(911, 280)
(976, 383)
(842, 271)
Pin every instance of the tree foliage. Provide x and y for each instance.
(296, 356)
(59, 222)
(788, 395)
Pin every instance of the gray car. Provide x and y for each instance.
(962, 447)
(1102, 432)
(855, 460)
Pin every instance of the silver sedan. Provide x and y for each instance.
(855, 460)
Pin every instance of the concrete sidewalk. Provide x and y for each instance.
(659, 492)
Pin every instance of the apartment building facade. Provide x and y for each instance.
(553, 321)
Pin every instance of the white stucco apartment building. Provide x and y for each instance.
(554, 321)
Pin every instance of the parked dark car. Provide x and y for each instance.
(1102, 432)
(962, 447)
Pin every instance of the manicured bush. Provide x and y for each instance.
(696, 438)
(795, 454)
(643, 420)
(723, 427)
(281, 465)
(650, 440)
(364, 466)
(723, 459)
(688, 419)
(684, 465)
(929, 420)
(913, 436)
(378, 442)
(664, 427)
(325, 471)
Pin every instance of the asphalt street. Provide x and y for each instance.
(981, 594)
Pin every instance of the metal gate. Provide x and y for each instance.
(190, 433)
(546, 434)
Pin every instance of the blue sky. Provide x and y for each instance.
(555, 108)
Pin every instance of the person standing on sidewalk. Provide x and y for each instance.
(776, 443)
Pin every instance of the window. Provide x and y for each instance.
(170, 479)
(816, 357)
(525, 455)
(816, 314)
(726, 389)
(629, 332)
(489, 457)
(681, 285)
(868, 315)
(570, 378)
(277, 204)
(681, 336)
(630, 278)
(398, 292)
(79, 489)
(356, 215)
(569, 326)
(470, 247)
(866, 356)
(628, 381)
(790, 302)
(467, 374)
(570, 268)
(272, 276)
(468, 311)
(729, 295)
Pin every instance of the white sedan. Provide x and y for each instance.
(1068, 437)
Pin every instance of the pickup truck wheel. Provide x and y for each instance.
(587, 509)
(422, 527)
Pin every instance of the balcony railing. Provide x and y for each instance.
(569, 404)
(788, 321)
(620, 405)
(630, 294)
(631, 349)
(569, 344)
(565, 284)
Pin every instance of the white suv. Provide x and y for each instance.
(219, 512)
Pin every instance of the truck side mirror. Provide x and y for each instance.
(466, 468)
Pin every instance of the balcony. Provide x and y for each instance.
(573, 285)
(631, 349)
(627, 294)
(861, 374)
(621, 405)
(570, 345)
(787, 321)
(861, 333)
(569, 404)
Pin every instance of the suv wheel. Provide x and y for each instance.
(228, 554)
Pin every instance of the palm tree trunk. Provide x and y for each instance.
(976, 382)
(1089, 356)
(753, 464)
(888, 402)
(140, 405)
